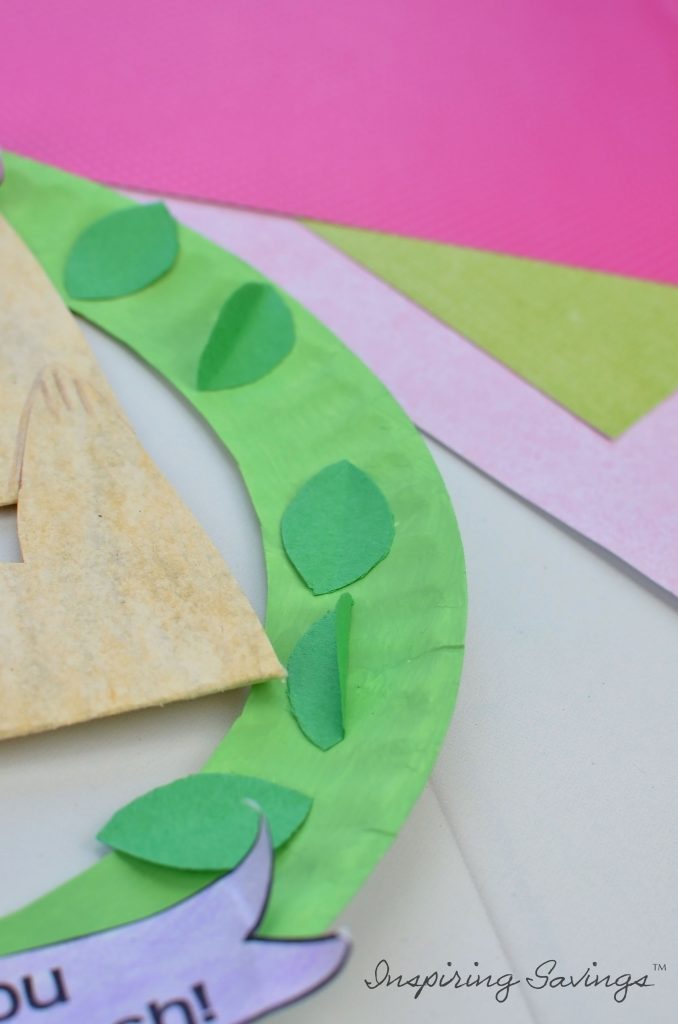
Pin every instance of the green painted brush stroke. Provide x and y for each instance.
(319, 406)
(601, 345)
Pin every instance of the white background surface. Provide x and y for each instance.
(548, 829)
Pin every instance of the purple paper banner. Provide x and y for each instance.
(191, 964)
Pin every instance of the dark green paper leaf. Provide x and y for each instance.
(203, 822)
(317, 672)
(337, 528)
(253, 333)
(122, 253)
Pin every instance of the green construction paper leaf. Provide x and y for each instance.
(253, 333)
(122, 253)
(204, 822)
(337, 528)
(317, 672)
(602, 345)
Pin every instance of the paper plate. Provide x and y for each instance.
(319, 406)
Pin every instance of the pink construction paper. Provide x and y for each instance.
(621, 494)
(541, 129)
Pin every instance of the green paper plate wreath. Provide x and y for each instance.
(319, 406)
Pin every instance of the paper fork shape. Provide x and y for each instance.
(36, 329)
(122, 601)
(194, 962)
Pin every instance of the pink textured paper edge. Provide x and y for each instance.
(539, 129)
(623, 495)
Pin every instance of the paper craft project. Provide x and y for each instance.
(337, 528)
(200, 961)
(204, 822)
(622, 495)
(317, 673)
(122, 601)
(97, 620)
(502, 126)
(253, 333)
(317, 408)
(602, 346)
(122, 253)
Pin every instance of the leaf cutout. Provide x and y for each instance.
(253, 333)
(337, 528)
(317, 672)
(204, 822)
(122, 253)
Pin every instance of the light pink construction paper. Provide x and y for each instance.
(540, 129)
(623, 494)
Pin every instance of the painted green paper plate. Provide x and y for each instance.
(312, 411)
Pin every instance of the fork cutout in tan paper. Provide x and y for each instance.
(122, 601)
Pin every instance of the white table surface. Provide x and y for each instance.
(548, 829)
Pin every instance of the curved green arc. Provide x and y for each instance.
(410, 612)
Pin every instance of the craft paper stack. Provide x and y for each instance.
(621, 493)
(519, 148)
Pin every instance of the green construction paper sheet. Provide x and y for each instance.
(601, 345)
(316, 676)
(121, 253)
(204, 822)
(337, 528)
(319, 406)
(253, 333)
